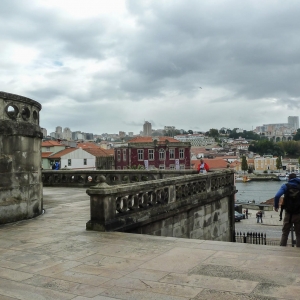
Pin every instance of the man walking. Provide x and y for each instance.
(291, 192)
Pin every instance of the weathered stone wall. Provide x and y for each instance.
(209, 222)
(20, 158)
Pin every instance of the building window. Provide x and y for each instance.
(161, 154)
(118, 155)
(161, 167)
(69, 162)
(124, 154)
(172, 167)
(172, 153)
(118, 168)
(124, 168)
(47, 149)
(140, 154)
(85, 161)
(151, 154)
(182, 167)
(181, 153)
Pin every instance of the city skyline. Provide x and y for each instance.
(291, 125)
(107, 66)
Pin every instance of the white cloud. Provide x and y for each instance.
(105, 66)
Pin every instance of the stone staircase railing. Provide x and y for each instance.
(130, 206)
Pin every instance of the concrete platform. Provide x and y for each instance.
(54, 257)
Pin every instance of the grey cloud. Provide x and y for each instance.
(249, 54)
(250, 49)
(290, 103)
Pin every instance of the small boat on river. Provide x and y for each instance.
(283, 177)
(243, 179)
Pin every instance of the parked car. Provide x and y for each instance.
(238, 217)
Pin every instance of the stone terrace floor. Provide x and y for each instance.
(54, 257)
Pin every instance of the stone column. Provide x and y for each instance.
(20, 158)
(102, 205)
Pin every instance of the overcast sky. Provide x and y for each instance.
(109, 65)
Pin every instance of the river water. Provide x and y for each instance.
(259, 191)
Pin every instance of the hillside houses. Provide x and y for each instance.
(86, 156)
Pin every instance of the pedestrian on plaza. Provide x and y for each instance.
(291, 192)
(246, 213)
(202, 167)
(259, 216)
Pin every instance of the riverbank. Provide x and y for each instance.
(261, 177)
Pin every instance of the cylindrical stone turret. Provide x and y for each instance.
(21, 194)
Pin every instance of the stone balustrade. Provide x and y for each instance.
(86, 178)
(193, 206)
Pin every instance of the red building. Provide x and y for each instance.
(153, 153)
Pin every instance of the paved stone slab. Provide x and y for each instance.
(209, 282)
(178, 260)
(54, 257)
(225, 295)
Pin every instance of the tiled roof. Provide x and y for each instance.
(214, 163)
(99, 152)
(46, 154)
(234, 164)
(61, 153)
(87, 145)
(149, 139)
(51, 143)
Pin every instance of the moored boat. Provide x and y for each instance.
(243, 179)
(283, 177)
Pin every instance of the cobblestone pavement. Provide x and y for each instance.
(54, 257)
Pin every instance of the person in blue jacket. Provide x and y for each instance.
(289, 219)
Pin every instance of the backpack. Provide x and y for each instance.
(292, 199)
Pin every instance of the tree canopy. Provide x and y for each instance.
(213, 132)
(291, 148)
(250, 135)
(244, 164)
(266, 147)
(296, 137)
(278, 163)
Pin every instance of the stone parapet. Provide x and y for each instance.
(190, 206)
(86, 178)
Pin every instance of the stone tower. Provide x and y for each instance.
(21, 195)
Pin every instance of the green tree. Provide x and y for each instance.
(278, 163)
(213, 132)
(244, 164)
(249, 135)
(190, 131)
(265, 146)
(291, 148)
(296, 137)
